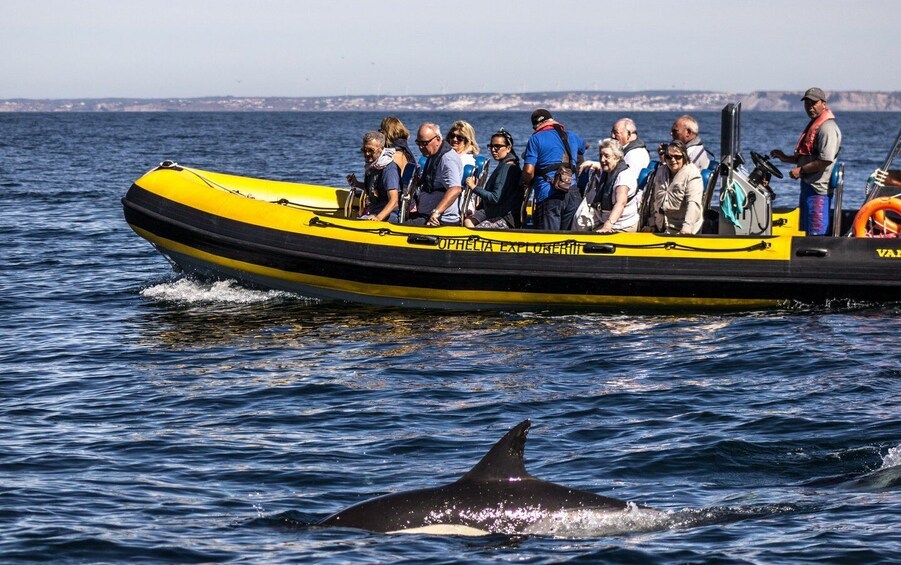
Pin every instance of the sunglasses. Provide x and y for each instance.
(424, 143)
(496, 146)
(454, 138)
(674, 157)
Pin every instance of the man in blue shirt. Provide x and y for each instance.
(382, 180)
(440, 183)
(554, 209)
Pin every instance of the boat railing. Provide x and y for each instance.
(837, 185)
(873, 188)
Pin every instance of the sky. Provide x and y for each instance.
(192, 48)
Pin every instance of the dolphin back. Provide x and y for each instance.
(496, 496)
(505, 460)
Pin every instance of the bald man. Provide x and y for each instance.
(635, 152)
(685, 129)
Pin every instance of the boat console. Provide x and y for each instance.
(746, 199)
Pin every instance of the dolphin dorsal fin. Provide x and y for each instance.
(504, 460)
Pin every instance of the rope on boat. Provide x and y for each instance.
(280, 201)
(315, 209)
(593, 246)
(212, 184)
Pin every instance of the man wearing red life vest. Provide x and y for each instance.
(815, 156)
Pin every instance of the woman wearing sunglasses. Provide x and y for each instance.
(462, 137)
(501, 198)
(678, 190)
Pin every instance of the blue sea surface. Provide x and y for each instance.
(149, 417)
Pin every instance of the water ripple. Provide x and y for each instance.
(146, 416)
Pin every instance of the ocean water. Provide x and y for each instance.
(144, 416)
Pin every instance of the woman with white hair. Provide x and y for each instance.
(614, 199)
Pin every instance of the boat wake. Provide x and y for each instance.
(190, 291)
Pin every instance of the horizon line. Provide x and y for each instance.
(389, 95)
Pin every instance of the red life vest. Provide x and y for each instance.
(809, 135)
(547, 124)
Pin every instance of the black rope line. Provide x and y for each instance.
(683, 247)
(669, 245)
(280, 201)
(318, 209)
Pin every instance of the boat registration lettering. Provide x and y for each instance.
(558, 248)
(889, 253)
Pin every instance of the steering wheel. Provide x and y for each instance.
(763, 162)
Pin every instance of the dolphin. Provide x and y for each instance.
(497, 496)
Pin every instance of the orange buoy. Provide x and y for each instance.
(875, 209)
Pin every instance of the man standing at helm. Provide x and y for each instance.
(815, 156)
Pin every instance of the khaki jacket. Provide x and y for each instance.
(677, 200)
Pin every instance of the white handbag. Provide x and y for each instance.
(587, 217)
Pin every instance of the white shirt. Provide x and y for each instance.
(629, 217)
(637, 159)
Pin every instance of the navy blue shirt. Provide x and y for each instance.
(390, 181)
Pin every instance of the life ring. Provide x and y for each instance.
(875, 209)
(887, 225)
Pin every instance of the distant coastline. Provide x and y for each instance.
(575, 101)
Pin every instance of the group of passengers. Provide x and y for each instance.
(570, 193)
